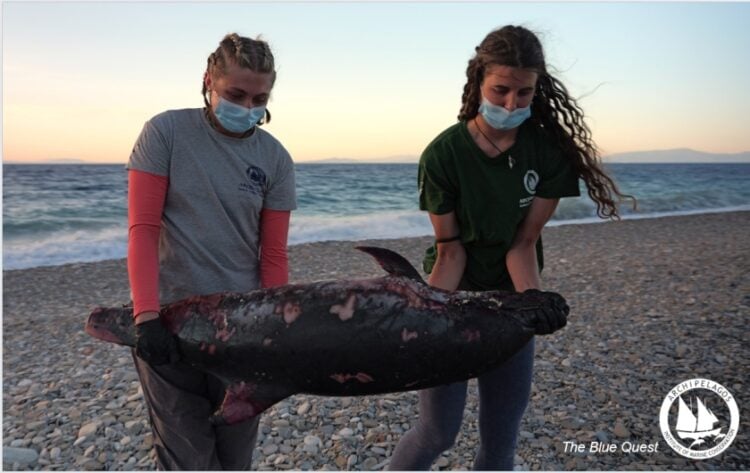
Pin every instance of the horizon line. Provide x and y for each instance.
(726, 157)
(605, 161)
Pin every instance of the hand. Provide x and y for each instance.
(552, 314)
(155, 344)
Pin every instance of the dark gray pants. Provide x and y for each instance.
(180, 400)
(503, 397)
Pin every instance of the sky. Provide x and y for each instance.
(368, 80)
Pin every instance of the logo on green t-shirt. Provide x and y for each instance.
(530, 181)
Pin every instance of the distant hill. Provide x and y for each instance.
(680, 155)
(388, 160)
(52, 161)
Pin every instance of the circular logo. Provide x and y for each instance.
(530, 180)
(255, 174)
(699, 418)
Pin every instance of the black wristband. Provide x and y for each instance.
(447, 240)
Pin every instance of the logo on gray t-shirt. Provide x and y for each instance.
(255, 182)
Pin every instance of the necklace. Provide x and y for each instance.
(511, 161)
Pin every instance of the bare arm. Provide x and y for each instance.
(521, 258)
(451, 256)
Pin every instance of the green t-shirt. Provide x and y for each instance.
(490, 198)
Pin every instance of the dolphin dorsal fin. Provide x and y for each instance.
(392, 262)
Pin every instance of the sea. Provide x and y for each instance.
(63, 213)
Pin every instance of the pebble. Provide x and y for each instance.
(303, 408)
(442, 462)
(89, 429)
(89, 451)
(134, 426)
(313, 440)
(620, 430)
(378, 450)
(22, 456)
(92, 465)
(270, 449)
(642, 320)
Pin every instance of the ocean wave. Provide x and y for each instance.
(61, 248)
(62, 214)
(111, 243)
(386, 225)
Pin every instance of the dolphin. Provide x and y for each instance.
(343, 338)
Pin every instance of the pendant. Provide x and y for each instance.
(511, 162)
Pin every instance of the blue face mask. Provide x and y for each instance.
(236, 118)
(500, 118)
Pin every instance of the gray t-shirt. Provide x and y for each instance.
(217, 187)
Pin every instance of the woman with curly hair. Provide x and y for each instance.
(490, 183)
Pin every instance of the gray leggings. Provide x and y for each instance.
(503, 397)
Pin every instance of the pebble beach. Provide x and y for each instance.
(654, 302)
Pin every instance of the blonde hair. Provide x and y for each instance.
(254, 54)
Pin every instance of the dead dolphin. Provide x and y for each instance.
(343, 338)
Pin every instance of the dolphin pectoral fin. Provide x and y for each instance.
(392, 262)
(244, 401)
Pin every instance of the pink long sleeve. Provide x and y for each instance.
(146, 195)
(274, 260)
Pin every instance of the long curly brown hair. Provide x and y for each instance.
(552, 109)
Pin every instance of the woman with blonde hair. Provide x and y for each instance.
(209, 200)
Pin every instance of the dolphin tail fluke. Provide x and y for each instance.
(114, 325)
(392, 262)
(243, 401)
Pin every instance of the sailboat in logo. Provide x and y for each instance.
(690, 426)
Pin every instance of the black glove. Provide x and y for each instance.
(155, 344)
(552, 313)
